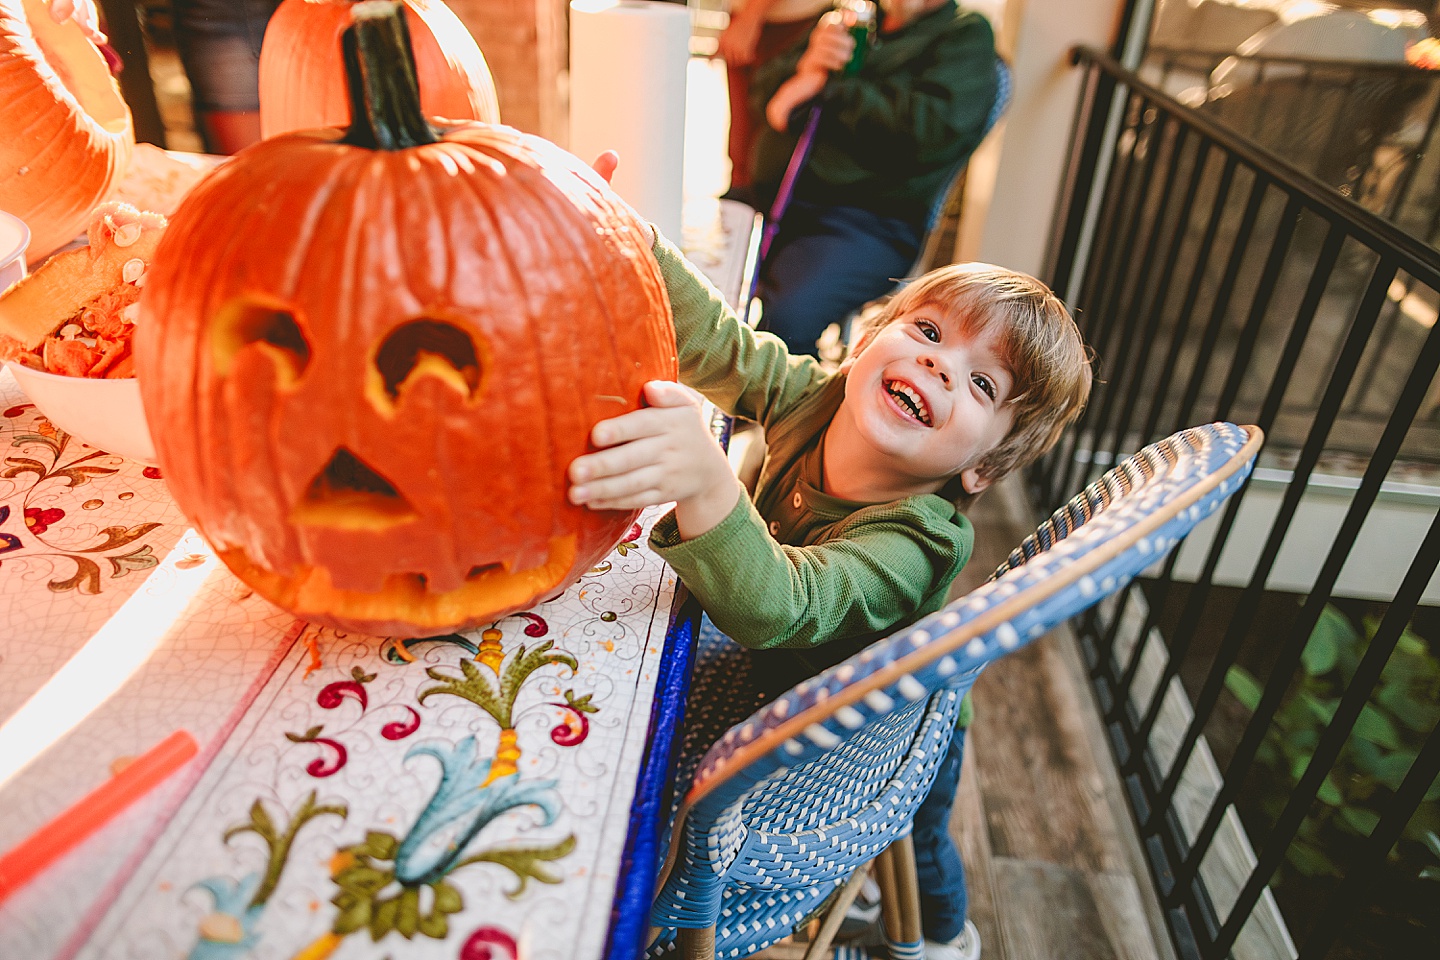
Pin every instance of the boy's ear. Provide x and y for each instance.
(973, 481)
(856, 350)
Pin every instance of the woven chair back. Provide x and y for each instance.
(786, 804)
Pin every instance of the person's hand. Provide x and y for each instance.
(830, 47)
(740, 40)
(606, 164)
(657, 454)
(828, 50)
(84, 14)
(799, 89)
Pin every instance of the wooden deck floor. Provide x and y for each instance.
(1053, 866)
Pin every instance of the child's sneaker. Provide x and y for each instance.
(864, 912)
(964, 947)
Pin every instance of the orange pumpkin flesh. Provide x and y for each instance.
(302, 82)
(67, 133)
(367, 370)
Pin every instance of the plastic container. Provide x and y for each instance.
(14, 241)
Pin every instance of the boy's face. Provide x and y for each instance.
(929, 398)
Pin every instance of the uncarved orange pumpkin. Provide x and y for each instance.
(65, 132)
(367, 370)
(302, 84)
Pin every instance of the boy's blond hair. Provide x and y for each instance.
(1038, 341)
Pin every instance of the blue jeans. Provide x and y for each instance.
(943, 900)
(826, 263)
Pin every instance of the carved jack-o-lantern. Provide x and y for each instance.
(368, 358)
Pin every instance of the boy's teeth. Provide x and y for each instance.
(909, 398)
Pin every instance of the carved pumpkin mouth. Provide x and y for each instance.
(405, 606)
(349, 494)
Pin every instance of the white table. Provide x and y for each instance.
(314, 786)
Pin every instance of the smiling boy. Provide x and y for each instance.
(856, 525)
(855, 528)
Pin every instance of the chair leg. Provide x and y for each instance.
(697, 943)
(820, 946)
(900, 900)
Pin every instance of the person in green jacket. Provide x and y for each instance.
(856, 526)
(891, 136)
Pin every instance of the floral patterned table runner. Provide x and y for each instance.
(461, 797)
(467, 793)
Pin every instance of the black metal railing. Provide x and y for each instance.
(1216, 281)
(1367, 129)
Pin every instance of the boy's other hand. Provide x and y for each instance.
(606, 164)
(661, 453)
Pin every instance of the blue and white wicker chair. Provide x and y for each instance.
(786, 805)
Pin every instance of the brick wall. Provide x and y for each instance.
(526, 44)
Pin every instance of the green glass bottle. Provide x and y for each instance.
(860, 18)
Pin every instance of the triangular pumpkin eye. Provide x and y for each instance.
(432, 347)
(243, 322)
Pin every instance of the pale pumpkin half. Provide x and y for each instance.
(68, 134)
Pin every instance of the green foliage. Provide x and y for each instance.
(1400, 713)
(1432, 843)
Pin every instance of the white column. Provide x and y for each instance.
(1028, 159)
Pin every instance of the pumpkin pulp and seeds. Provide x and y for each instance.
(95, 342)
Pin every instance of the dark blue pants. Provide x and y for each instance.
(828, 262)
(943, 900)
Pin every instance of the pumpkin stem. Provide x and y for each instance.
(385, 111)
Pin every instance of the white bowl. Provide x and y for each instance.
(103, 413)
(14, 241)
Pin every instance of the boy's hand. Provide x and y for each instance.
(661, 453)
(606, 164)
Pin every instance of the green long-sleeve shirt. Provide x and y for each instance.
(891, 135)
(797, 567)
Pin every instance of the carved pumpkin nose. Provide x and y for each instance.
(349, 494)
